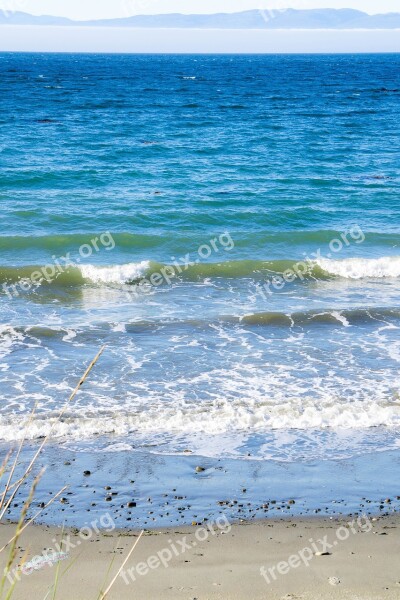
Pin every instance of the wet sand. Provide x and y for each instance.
(141, 489)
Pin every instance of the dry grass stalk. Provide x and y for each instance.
(6, 498)
(72, 396)
(103, 595)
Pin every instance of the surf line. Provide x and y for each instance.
(304, 268)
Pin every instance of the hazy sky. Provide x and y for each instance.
(92, 9)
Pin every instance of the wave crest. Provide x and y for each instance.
(133, 272)
(362, 268)
(119, 274)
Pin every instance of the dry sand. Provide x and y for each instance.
(226, 565)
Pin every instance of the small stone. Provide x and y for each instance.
(64, 500)
(200, 469)
(292, 502)
(107, 487)
(323, 554)
(67, 463)
(86, 473)
(108, 498)
(334, 580)
(131, 504)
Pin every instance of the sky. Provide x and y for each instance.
(98, 9)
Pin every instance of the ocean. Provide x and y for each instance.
(228, 228)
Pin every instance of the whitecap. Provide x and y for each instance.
(360, 268)
(117, 274)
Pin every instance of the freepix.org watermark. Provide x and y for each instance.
(41, 561)
(316, 548)
(304, 268)
(61, 549)
(10, 7)
(135, 7)
(168, 273)
(274, 8)
(174, 549)
(60, 265)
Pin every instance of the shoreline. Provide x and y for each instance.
(178, 562)
(139, 489)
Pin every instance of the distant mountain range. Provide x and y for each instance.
(251, 19)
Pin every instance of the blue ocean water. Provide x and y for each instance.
(227, 226)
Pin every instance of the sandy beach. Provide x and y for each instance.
(307, 559)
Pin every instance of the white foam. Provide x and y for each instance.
(360, 268)
(117, 274)
(8, 337)
(119, 328)
(341, 318)
(69, 336)
(217, 417)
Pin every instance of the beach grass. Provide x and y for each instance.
(10, 486)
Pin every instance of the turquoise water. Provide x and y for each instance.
(152, 203)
